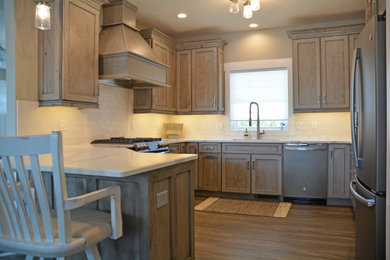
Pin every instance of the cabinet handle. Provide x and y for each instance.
(318, 99)
(323, 99)
(214, 102)
(253, 165)
(331, 154)
(248, 165)
(209, 147)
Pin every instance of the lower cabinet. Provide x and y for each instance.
(192, 148)
(210, 171)
(236, 173)
(339, 157)
(267, 174)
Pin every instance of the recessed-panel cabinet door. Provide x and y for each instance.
(338, 171)
(210, 172)
(172, 81)
(267, 174)
(183, 82)
(335, 72)
(307, 83)
(160, 95)
(81, 48)
(236, 173)
(193, 149)
(204, 79)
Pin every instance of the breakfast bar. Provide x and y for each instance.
(157, 198)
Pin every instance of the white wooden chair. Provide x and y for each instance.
(27, 224)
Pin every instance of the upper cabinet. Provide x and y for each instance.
(159, 100)
(68, 55)
(200, 77)
(321, 67)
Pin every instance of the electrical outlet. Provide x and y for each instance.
(219, 125)
(161, 199)
(63, 125)
(314, 124)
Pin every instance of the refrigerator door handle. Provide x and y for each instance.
(354, 114)
(367, 202)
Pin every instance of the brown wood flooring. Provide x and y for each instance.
(308, 232)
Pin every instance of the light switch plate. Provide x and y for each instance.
(161, 199)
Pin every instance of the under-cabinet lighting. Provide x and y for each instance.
(253, 25)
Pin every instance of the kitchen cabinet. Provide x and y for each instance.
(321, 67)
(200, 77)
(193, 148)
(374, 7)
(339, 161)
(267, 174)
(236, 173)
(210, 171)
(252, 168)
(183, 67)
(160, 100)
(68, 55)
(177, 148)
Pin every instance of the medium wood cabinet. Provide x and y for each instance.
(200, 77)
(321, 67)
(236, 173)
(210, 171)
(68, 55)
(193, 148)
(339, 160)
(267, 174)
(160, 100)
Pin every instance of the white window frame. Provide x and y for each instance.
(259, 65)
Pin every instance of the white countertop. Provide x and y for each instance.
(268, 139)
(113, 162)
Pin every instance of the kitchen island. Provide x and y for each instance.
(157, 198)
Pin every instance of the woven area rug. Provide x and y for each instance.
(245, 207)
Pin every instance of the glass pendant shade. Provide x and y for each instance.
(234, 6)
(42, 16)
(247, 13)
(255, 5)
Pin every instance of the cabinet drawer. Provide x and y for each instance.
(252, 148)
(210, 148)
(174, 148)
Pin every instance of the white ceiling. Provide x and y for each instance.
(212, 16)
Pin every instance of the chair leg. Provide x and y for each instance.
(93, 253)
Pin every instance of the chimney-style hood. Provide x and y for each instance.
(125, 58)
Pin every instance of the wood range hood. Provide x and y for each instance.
(125, 58)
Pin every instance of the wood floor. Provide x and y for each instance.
(308, 232)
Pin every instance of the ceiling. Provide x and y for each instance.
(212, 16)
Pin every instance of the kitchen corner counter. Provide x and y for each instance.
(112, 162)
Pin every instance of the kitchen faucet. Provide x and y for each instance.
(258, 132)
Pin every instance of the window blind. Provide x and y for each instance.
(269, 88)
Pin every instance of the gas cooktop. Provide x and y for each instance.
(139, 144)
(123, 140)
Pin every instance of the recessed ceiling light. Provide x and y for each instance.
(253, 25)
(181, 15)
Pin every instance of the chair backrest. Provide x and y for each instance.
(24, 212)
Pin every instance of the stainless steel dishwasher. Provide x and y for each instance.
(305, 170)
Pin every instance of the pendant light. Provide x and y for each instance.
(247, 13)
(255, 5)
(234, 6)
(42, 15)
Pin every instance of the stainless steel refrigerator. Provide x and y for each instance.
(368, 123)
